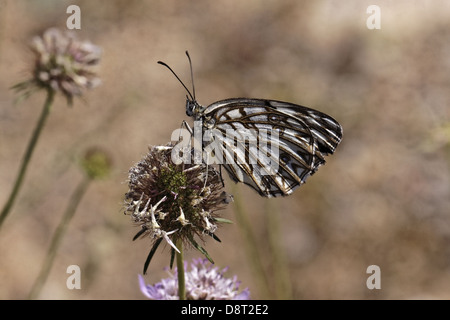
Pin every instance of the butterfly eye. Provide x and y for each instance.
(190, 106)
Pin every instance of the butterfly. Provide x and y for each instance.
(301, 137)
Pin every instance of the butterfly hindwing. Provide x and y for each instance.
(304, 137)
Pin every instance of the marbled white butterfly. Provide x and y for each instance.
(303, 138)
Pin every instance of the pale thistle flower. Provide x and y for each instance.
(203, 282)
(171, 202)
(62, 64)
(96, 163)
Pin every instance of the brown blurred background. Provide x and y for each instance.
(381, 199)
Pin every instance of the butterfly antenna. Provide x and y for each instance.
(192, 73)
(165, 65)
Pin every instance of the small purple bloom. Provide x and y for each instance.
(203, 282)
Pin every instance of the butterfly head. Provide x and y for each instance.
(193, 108)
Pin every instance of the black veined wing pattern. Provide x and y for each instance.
(304, 137)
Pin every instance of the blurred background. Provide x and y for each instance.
(382, 199)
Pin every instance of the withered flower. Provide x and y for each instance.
(174, 201)
(62, 63)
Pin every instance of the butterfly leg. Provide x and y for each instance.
(206, 178)
(221, 177)
(187, 126)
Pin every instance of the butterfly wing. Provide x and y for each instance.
(304, 137)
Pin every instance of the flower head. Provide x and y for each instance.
(203, 282)
(174, 201)
(62, 63)
(96, 163)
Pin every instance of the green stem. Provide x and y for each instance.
(180, 270)
(27, 156)
(252, 246)
(57, 237)
(280, 267)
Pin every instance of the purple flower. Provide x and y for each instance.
(203, 282)
(62, 63)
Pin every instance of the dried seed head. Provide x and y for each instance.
(62, 63)
(172, 201)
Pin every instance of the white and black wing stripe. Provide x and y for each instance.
(306, 136)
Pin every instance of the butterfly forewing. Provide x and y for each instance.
(304, 137)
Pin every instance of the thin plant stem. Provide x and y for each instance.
(283, 286)
(251, 245)
(3, 15)
(28, 153)
(57, 237)
(180, 270)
